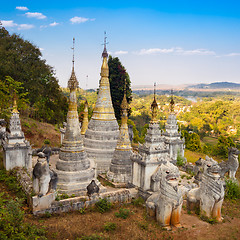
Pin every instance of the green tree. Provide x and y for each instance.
(192, 140)
(117, 76)
(8, 88)
(23, 62)
(222, 146)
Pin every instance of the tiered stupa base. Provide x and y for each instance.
(100, 141)
(121, 167)
(75, 171)
(75, 182)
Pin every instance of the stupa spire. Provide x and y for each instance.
(105, 54)
(85, 118)
(121, 165)
(103, 109)
(75, 171)
(15, 110)
(123, 140)
(172, 103)
(154, 107)
(73, 82)
(101, 136)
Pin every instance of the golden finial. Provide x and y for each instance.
(123, 141)
(124, 104)
(154, 107)
(73, 82)
(171, 102)
(15, 103)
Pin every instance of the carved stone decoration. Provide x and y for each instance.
(173, 137)
(232, 164)
(150, 155)
(41, 176)
(166, 203)
(210, 193)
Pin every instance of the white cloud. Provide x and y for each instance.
(35, 15)
(53, 24)
(41, 49)
(152, 51)
(121, 52)
(176, 50)
(22, 8)
(9, 23)
(25, 26)
(194, 52)
(80, 19)
(232, 54)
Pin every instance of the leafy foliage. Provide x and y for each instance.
(12, 225)
(123, 213)
(180, 159)
(117, 76)
(232, 189)
(192, 141)
(109, 226)
(8, 88)
(221, 149)
(23, 62)
(103, 205)
(138, 202)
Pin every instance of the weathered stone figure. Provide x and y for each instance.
(41, 175)
(210, 194)
(3, 132)
(166, 204)
(232, 164)
(92, 188)
(47, 151)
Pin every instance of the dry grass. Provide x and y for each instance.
(194, 156)
(36, 132)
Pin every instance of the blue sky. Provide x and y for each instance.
(167, 42)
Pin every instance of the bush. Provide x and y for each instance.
(103, 205)
(138, 202)
(123, 213)
(180, 159)
(47, 141)
(232, 190)
(109, 226)
(12, 224)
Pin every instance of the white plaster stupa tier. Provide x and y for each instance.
(75, 171)
(17, 151)
(101, 136)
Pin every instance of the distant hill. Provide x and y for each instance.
(216, 85)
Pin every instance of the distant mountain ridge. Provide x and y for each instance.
(216, 85)
(204, 86)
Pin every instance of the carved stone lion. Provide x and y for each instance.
(41, 175)
(166, 203)
(210, 193)
(232, 164)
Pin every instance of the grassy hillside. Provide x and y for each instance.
(36, 132)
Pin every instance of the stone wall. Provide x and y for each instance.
(77, 203)
(46, 203)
